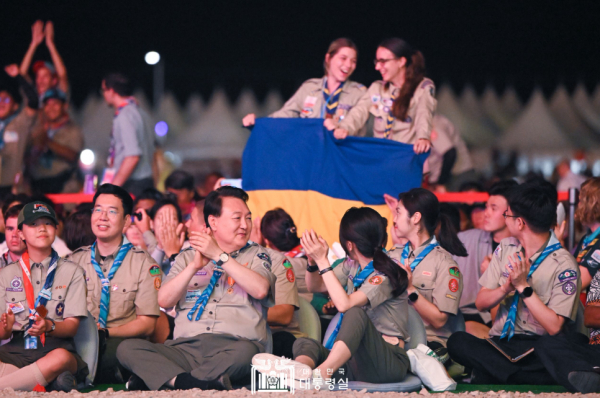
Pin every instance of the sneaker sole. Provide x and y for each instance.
(585, 382)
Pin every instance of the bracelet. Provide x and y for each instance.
(325, 270)
(312, 268)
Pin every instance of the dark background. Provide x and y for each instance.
(278, 44)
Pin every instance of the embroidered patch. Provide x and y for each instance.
(375, 98)
(155, 270)
(453, 285)
(157, 283)
(386, 109)
(498, 251)
(427, 273)
(451, 296)
(307, 111)
(16, 282)
(568, 275)
(267, 265)
(289, 274)
(596, 255)
(200, 273)
(505, 274)
(454, 271)
(287, 264)
(192, 295)
(114, 288)
(345, 107)
(375, 280)
(40, 208)
(569, 288)
(264, 256)
(60, 309)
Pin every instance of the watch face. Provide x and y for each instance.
(224, 257)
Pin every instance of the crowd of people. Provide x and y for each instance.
(188, 288)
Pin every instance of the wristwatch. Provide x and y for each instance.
(223, 258)
(312, 268)
(414, 296)
(527, 292)
(53, 325)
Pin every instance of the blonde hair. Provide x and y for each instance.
(588, 209)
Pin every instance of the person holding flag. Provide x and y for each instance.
(122, 281)
(369, 289)
(220, 288)
(535, 282)
(329, 97)
(43, 300)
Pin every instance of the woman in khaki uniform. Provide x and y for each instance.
(435, 282)
(328, 97)
(402, 103)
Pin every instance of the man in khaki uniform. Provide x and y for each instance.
(50, 318)
(536, 283)
(56, 143)
(132, 289)
(220, 288)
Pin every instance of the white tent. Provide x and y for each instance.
(143, 102)
(585, 109)
(511, 102)
(469, 128)
(472, 107)
(494, 110)
(96, 127)
(193, 109)
(169, 111)
(218, 134)
(272, 103)
(564, 113)
(245, 104)
(535, 131)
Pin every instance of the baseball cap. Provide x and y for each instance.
(44, 64)
(54, 93)
(34, 210)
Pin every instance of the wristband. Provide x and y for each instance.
(312, 268)
(325, 270)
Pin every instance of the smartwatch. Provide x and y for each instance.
(312, 268)
(414, 296)
(527, 292)
(223, 258)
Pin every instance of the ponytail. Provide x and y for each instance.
(415, 72)
(447, 237)
(396, 274)
(278, 228)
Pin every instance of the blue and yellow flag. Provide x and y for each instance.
(298, 165)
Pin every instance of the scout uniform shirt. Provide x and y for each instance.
(133, 288)
(308, 101)
(229, 310)
(388, 314)
(286, 291)
(556, 282)
(68, 291)
(377, 101)
(438, 280)
(15, 138)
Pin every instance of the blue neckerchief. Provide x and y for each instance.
(330, 100)
(432, 245)
(509, 325)
(46, 292)
(358, 280)
(4, 124)
(105, 296)
(590, 237)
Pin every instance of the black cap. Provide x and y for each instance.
(34, 210)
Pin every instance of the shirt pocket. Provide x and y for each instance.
(56, 307)
(425, 285)
(122, 297)
(19, 300)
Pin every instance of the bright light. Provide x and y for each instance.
(87, 157)
(152, 58)
(161, 129)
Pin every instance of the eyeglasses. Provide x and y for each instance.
(383, 61)
(508, 215)
(6, 100)
(112, 213)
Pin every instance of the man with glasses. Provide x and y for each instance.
(122, 281)
(536, 284)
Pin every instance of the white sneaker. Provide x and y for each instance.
(273, 365)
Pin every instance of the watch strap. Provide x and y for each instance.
(312, 268)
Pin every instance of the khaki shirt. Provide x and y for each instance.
(15, 138)
(68, 291)
(308, 101)
(556, 282)
(50, 164)
(229, 309)
(438, 279)
(388, 314)
(133, 288)
(300, 264)
(377, 102)
(286, 291)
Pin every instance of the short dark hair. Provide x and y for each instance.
(13, 91)
(78, 230)
(278, 227)
(148, 194)
(13, 211)
(502, 188)
(213, 204)
(180, 179)
(110, 189)
(165, 202)
(120, 83)
(10, 198)
(535, 202)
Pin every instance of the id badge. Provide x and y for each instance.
(16, 307)
(31, 343)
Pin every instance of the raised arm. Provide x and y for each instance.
(61, 71)
(37, 36)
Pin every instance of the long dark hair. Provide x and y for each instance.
(415, 72)
(423, 201)
(366, 229)
(278, 228)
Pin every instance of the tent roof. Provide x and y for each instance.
(511, 102)
(563, 111)
(245, 104)
(490, 102)
(272, 103)
(169, 111)
(193, 108)
(585, 109)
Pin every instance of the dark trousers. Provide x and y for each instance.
(109, 370)
(373, 360)
(282, 344)
(491, 367)
(565, 353)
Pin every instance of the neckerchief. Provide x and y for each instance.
(298, 251)
(46, 292)
(509, 325)
(4, 124)
(105, 297)
(358, 280)
(432, 245)
(331, 100)
(112, 149)
(389, 120)
(588, 242)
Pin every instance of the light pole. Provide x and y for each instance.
(153, 58)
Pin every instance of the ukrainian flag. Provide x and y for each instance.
(298, 165)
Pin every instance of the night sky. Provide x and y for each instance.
(278, 44)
